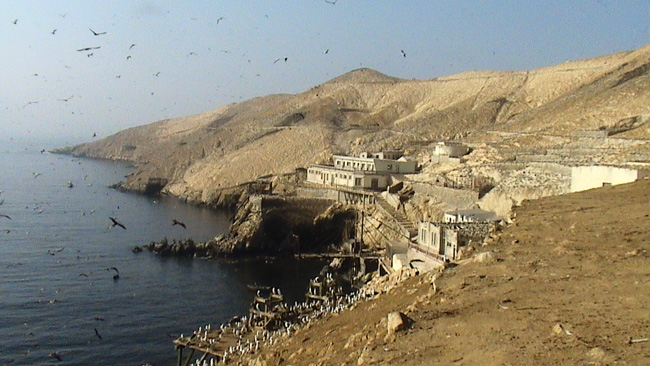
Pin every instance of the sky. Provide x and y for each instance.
(158, 59)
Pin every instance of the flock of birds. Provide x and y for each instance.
(239, 337)
(89, 50)
(55, 251)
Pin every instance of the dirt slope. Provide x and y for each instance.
(366, 110)
(568, 284)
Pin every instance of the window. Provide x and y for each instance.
(357, 181)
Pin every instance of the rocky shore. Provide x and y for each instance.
(268, 225)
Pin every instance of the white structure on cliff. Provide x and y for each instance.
(588, 177)
(368, 171)
(471, 215)
(448, 152)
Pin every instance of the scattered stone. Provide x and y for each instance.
(599, 355)
(397, 322)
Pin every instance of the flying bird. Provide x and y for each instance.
(55, 356)
(331, 2)
(54, 251)
(89, 48)
(176, 222)
(117, 223)
(54, 31)
(281, 58)
(128, 57)
(156, 74)
(97, 34)
(403, 53)
(15, 21)
(132, 45)
(326, 51)
(66, 99)
(220, 19)
(5, 216)
(97, 334)
(116, 276)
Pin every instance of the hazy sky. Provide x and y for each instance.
(164, 58)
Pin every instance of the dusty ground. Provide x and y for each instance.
(569, 283)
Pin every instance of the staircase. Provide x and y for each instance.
(399, 217)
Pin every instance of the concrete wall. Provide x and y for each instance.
(588, 177)
(310, 192)
(395, 166)
(451, 150)
(440, 159)
(451, 198)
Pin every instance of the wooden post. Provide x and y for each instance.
(180, 356)
(189, 358)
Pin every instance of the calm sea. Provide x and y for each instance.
(55, 289)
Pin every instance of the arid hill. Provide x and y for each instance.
(200, 155)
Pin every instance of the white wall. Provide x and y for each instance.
(588, 177)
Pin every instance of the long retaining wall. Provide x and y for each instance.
(588, 177)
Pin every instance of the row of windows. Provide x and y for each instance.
(354, 165)
(326, 176)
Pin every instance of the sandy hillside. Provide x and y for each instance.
(366, 110)
(567, 284)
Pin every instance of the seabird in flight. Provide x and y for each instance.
(88, 48)
(176, 222)
(97, 334)
(97, 34)
(54, 251)
(6, 216)
(117, 223)
(403, 53)
(116, 276)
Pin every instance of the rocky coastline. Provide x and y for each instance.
(271, 225)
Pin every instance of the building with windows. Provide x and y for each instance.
(442, 241)
(368, 171)
(471, 215)
(331, 176)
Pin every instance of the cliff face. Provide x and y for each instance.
(200, 157)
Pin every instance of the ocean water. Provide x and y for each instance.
(57, 292)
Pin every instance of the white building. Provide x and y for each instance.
(330, 176)
(471, 215)
(442, 241)
(368, 162)
(448, 152)
(368, 171)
